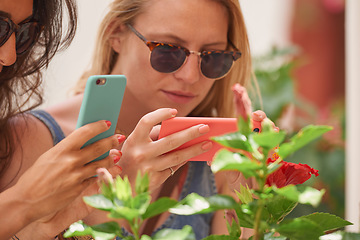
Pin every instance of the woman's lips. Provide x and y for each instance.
(179, 97)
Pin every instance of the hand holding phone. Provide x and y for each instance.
(102, 101)
(218, 127)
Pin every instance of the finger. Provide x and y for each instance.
(115, 170)
(80, 136)
(180, 157)
(100, 147)
(148, 121)
(177, 167)
(90, 169)
(154, 134)
(177, 139)
(258, 116)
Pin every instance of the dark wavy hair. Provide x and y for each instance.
(21, 82)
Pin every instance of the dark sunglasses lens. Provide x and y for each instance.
(166, 59)
(26, 37)
(4, 31)
(216, 65)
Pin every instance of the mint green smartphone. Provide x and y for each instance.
(102, 100)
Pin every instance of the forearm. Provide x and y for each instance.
(36, 231)
(13, 213)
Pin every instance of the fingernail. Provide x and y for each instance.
(108, 123)
(119, 167)
(206, 146)
(173, 112)
(116, 159)
(204, 128)
(120, 152)
(121, 138)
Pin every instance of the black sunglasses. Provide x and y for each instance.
(26, 32)
(168, 58)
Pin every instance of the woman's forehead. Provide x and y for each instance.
(185, 18)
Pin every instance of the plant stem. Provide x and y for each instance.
(135, 228)
(258, 232)
(261, 182)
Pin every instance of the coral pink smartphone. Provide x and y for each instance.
(218, 127)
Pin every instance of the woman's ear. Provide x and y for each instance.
(117, 36)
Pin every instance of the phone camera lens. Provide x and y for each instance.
(100, 81)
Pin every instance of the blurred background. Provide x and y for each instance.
(299, 53)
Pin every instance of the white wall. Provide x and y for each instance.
(267, 22)
(67, 66)
(352, 190)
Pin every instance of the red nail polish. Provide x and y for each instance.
(116, 159)
(108, 123)
(121, 138)
(120, 153)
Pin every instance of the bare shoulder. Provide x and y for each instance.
(31, 139)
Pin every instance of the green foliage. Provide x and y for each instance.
(265, 209)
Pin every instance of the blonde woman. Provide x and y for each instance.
(180, 59)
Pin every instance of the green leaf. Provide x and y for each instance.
(303, 137)
(108, 227)
(226, 160)
(78, 228)
(142, 183)
(300, 229)
(141, 202)
(278, 208)
(220, 237)
(124, 213)
(301, 194)
(269, 140)
(327, 221)
(234, 140)
(196, 204)
(145, 237)
(233, 229)
(245, 194)
(107, 190)
(244, 126)
(99, 201)
(186, 233)
(246, 214)
(105, 231)
(123, 189)
(159, 206)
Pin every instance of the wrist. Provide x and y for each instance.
(13, 207)
(35, 230)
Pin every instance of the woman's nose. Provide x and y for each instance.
(190, 71)
(8, 52)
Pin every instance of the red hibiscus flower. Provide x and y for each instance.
(289, 173)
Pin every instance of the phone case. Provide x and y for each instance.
(102, 101)
(218, 127)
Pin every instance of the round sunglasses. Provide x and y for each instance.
(26, 32)
(168, 58)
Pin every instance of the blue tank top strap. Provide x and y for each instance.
(54, 128)
(201, 180)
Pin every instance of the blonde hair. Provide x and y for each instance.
(220, 97)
